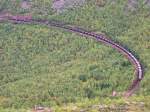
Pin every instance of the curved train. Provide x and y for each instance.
(99, 37)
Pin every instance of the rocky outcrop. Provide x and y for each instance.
(62, 5)
(131, 5)
(25, 4)
(147, 2)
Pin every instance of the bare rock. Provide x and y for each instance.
(100, 3)
(131, 5)
(25, 4)
(63, 5)
(41, 109)
(147, 2)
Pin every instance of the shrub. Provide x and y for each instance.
(83, 77)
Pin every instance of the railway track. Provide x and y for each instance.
(98, 37)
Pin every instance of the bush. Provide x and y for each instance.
(83, 77)
(89, 93)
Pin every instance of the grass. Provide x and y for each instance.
(52, 67)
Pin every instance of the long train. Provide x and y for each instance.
(99, 37)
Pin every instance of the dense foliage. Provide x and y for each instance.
(49, 66)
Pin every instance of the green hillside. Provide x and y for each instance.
(52, 67)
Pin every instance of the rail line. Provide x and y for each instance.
(99, 37)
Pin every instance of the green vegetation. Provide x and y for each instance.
(52, 67)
